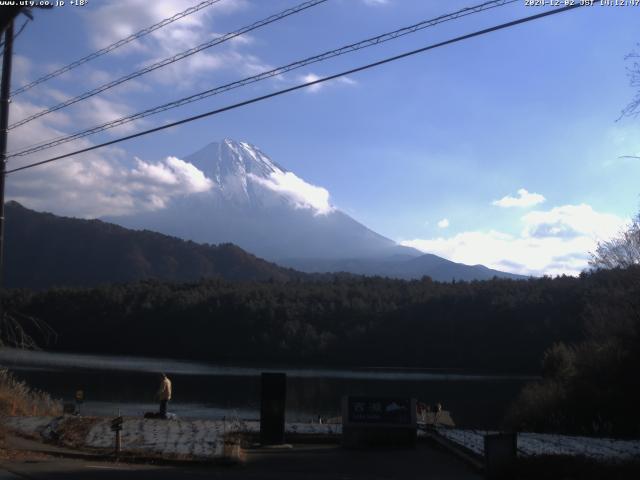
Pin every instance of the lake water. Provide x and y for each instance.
(201, 390)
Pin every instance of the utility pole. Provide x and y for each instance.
(5, 89)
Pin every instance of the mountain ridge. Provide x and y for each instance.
(412, 268)
(45, 250)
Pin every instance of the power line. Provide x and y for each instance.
(113, 46)
(262, 76)
(304, 85)
(377, 40)
(173, 59)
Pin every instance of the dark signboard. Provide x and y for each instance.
(379, 410)
(116, 424)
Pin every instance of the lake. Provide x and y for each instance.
(128, 385)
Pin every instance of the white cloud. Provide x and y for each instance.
(21, 70)
(570, 221)
(93, 184)
(36, 130)
(553, 242)
(108, 24)
(299, 192)
(183, 176)
(444, 223)
(111, 21)
(95, 77)
(312, 77)
(97, 111)
(524, 199)
(375, 2)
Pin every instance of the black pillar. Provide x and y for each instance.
(273, 397)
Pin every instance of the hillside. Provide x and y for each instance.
(44, 250)
(264, 208)
(270, 211)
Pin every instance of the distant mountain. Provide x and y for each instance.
(260, 206)
(403, 267)
(254, 203)
(269, 211)
(43, 250)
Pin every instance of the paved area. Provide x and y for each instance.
(309, 462)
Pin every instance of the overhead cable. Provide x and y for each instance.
(468, 36)
(169, 60)
(113, 46)
(373, 41)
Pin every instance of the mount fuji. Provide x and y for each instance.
(269, 211)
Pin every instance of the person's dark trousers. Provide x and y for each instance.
(163, 408)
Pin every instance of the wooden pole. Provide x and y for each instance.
(5, 89)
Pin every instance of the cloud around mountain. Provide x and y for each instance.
(173, 174)
(300, 193)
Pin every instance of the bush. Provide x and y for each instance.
(558, 362)
(592, 387)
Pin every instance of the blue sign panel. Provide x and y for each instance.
(379, 410)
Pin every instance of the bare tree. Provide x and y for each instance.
(633, 72)
(621, 251)
(17, 330)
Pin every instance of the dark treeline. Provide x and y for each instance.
(498, 325)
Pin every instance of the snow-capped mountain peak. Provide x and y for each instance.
(243, 174)
(229, 159)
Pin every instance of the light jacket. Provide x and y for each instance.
(165, 390)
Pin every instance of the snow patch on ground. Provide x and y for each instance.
(28, 425)
(197, 438)
(533, 444)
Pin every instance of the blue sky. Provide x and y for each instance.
(501, 150)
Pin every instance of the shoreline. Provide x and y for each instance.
(143, 364)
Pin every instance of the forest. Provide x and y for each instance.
(499, 325)
(581, 334)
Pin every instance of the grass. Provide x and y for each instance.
(17, 398)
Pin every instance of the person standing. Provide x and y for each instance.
(164, 394)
